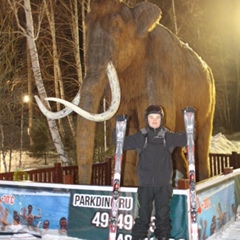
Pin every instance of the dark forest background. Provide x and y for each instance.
(211, 28)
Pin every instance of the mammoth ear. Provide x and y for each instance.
(146, 15)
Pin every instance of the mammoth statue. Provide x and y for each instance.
(153, 67)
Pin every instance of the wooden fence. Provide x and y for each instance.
(102, 172)
(219, 162)
(55, 174)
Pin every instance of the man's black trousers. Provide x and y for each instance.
(160, 196)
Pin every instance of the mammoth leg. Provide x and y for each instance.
(136, 122)
(202, 151)
(129, 169)
(180, 165)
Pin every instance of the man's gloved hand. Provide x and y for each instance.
(121, 117)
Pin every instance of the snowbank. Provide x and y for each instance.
(225, 144)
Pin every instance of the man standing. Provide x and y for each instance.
(154, 144)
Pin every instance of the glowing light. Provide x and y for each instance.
(26, 99)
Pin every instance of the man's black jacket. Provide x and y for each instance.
(155, 162)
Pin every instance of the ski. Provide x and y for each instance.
(189, 122)
(121, 123)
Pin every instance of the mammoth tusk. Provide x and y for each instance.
(116, 95)
(60, 114)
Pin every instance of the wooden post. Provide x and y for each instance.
(58, 173)
(68, 179)
(108, 172)
(234, 161)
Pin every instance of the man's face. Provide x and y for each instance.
(63, 224)
(30, 208)
(154, 120)
(30, 219)
(46, 225)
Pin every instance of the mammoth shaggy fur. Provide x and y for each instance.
(153, 67)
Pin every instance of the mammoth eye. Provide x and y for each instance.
(116, 24)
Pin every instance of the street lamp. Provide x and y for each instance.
(25, 100)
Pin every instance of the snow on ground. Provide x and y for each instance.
(225, 144)
(22, 232)
(231, 231)
(27, 236)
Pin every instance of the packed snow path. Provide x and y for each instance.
(232, 232)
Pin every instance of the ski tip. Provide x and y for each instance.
(121, 118)
(189, 109)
